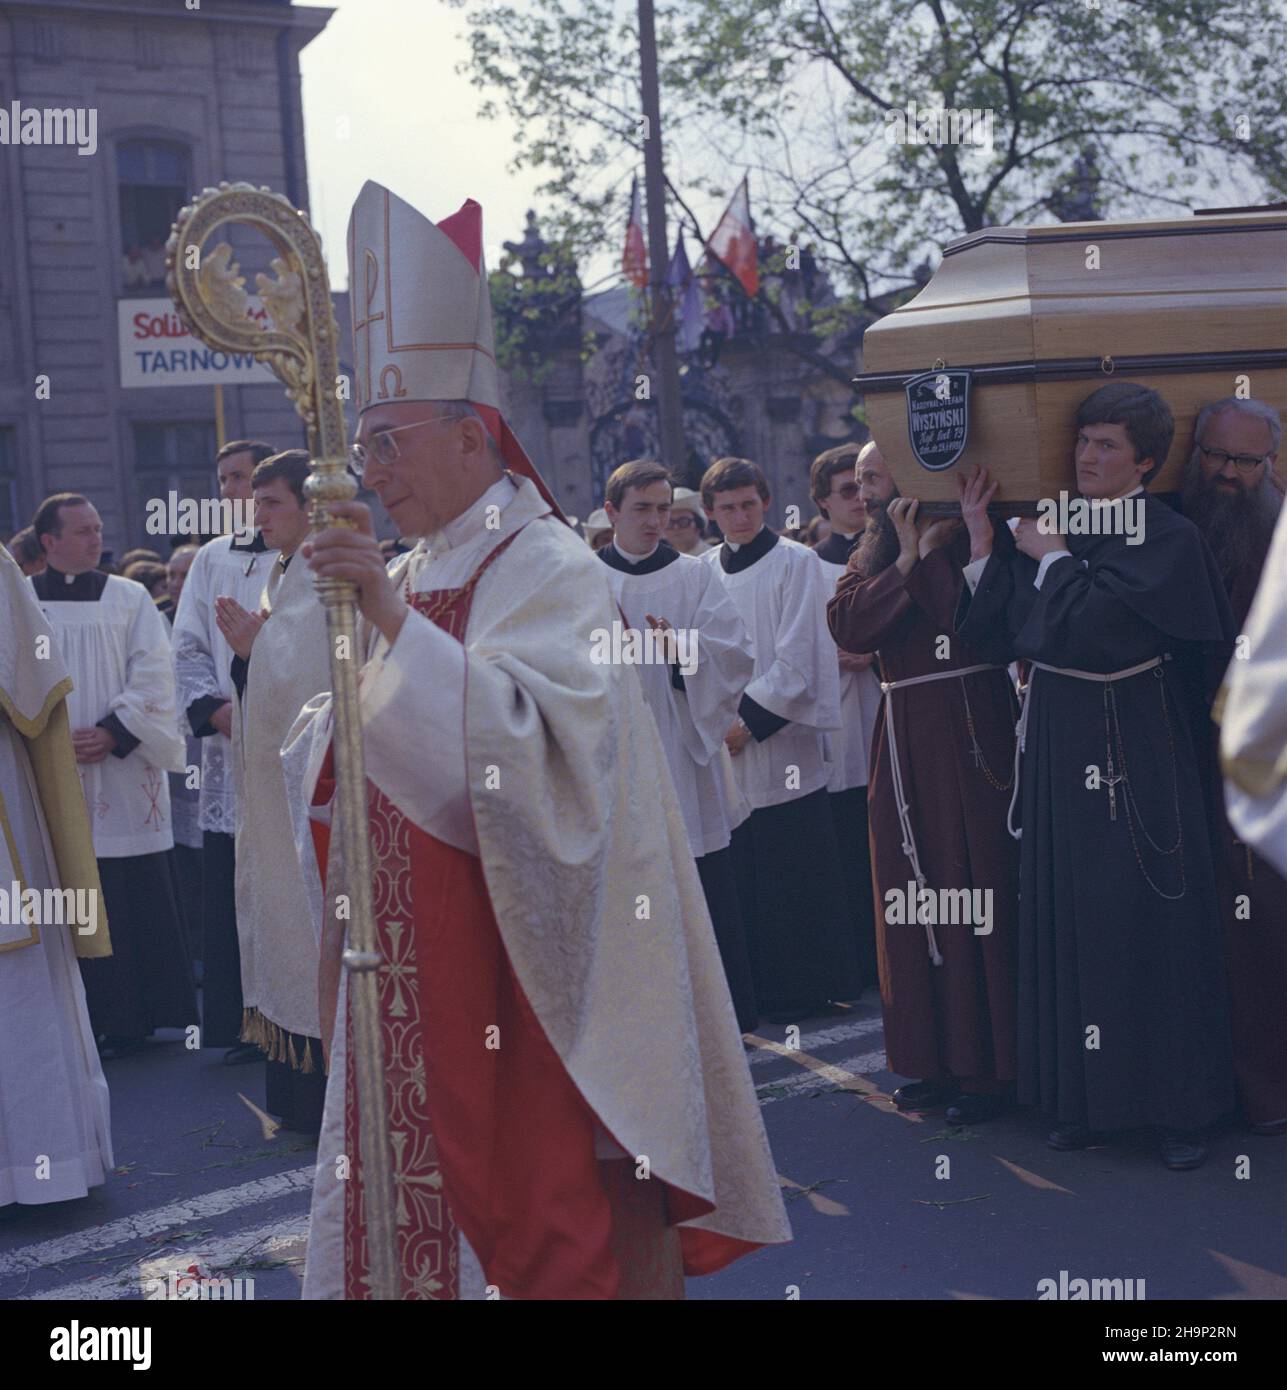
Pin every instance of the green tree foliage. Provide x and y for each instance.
(1170, 104)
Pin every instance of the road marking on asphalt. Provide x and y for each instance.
(153, 1221)
(275, 1240)
(791, 1086)
(812, 1042)
(838, 1076)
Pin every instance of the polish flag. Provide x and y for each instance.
(634, 259)
(733, 241)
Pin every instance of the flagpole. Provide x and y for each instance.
(674, 453)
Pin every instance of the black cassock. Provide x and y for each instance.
(1123, 1015)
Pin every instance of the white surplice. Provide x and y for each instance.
(1253, 734)
(782, 598)
(692, 722)
(203, 659)
(859, 706)
(118, 652)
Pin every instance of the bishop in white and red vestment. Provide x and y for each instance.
(570, 1109)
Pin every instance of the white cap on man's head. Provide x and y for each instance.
(686, 500)
(596, 523)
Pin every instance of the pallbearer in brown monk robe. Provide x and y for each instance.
(944, 865)
(1229, 494)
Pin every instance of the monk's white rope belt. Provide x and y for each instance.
(896, 776)
(1021, 728)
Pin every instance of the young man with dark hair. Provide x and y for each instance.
(692, 689)
(126, 737)
(282, 661)
(942, 763)
(834, 486)
(223, 567)
(1123, 1015)
(804, 948)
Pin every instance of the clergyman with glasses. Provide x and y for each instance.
(556, 1004)
(1229, 492)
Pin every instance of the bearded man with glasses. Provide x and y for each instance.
(1229, 493)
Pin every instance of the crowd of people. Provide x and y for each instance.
(967, 763)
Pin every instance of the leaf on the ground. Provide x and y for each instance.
(267, 1124)
(1032, 1179)
(823, 1205)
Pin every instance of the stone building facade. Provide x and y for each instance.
(181, 98)
(762, 394)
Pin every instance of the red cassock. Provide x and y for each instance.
(484, 1113)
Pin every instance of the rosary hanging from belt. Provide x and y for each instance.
(1116, 758)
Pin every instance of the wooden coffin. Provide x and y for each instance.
(1041, 316)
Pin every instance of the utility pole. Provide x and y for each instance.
(669, 403)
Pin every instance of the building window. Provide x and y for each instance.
(10, 521)
(176, 458)
(152, 178)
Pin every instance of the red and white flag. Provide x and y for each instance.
(634, 259)
(733, 241)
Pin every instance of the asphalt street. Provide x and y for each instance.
(883, 1205)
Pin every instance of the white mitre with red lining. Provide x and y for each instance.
(422, 314)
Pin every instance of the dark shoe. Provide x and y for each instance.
(242, 1054)
(1181, 1150)
(974, 1107)
(111, 1047)
(1069, 1137)
(1270, 1127)
(925, 1095)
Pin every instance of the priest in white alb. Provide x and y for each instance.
(282, 660)
(701, 663)
(126, 737)
(232, 566)
(571, 1111)
(804, 944)
(55, 1139)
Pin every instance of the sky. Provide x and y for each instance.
(382, 100)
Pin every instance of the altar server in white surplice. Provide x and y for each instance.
(55, 1141)
(552, 1003)
(834, 486)
(233, 566)
(282, 660)
(125, 733)
(804, 949)
(692, 688)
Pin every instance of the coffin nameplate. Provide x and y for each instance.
(938, 417)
